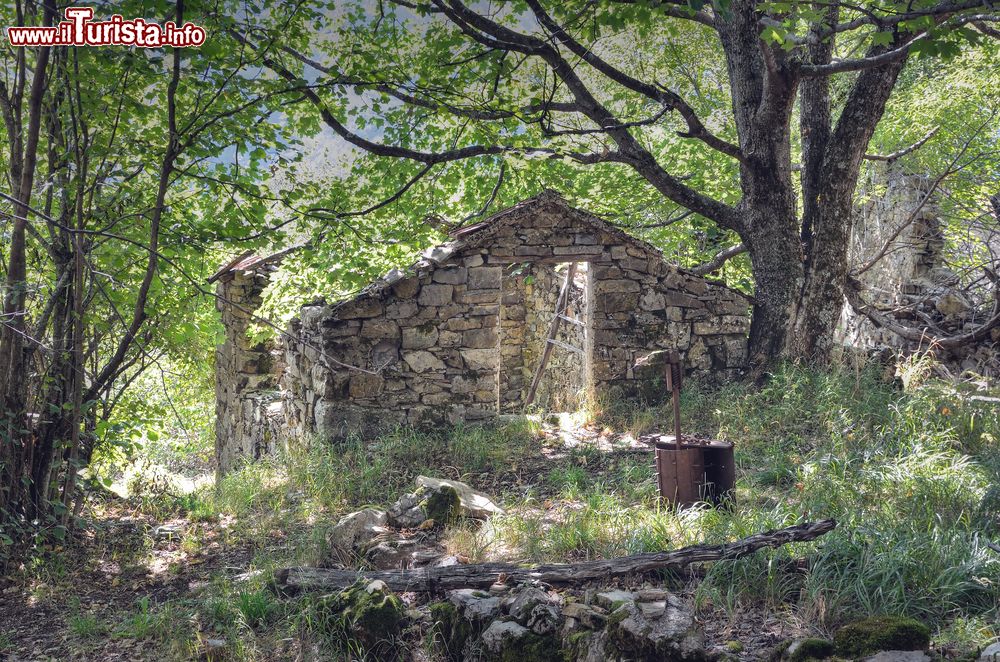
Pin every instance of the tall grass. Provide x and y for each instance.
(912, 476)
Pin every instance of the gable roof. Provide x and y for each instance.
(476, 234)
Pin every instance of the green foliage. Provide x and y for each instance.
(812, 649)
(254, 607)
(86, 625)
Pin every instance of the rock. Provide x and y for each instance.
(652, 595)
(991, 653)
(392, 554)
(475, 606)
(480, 360)
(450, 275)
(808, 649)
(506, 640)
(367, 614)
(899, 656)
(406, 513)
(474, 504)
(612, 599)
(352, 534)
(535, 609)
(420, 337)
(422, 361)
(169, 531)
(435, 295)
(585, 616)
(652, 609)
(441, 504)
(459, 620)
(954, 305)
(500, 633)
(881, 633)
(670, 635)
(450, 631)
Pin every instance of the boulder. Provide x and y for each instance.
(353, 533)
(535, 609)
(459, 620)
(366, 616)
(881, 633)
(991, 653)
(474, 504)
(440, 504)
(800, 650)
(509, 641)
(475, 606)
(667, 633)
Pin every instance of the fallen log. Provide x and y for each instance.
(483, 575)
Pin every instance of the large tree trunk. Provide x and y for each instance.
(830, 175)
(763, 85)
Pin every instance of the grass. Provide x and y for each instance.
(912, 476)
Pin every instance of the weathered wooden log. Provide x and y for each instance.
(482, 575)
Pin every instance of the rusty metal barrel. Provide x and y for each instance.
(694, 470)
(691, 470)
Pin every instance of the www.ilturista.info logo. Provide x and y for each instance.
(79, 30)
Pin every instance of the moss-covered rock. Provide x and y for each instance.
(450, 630)
(507, 641)
(881, 633)
(367, 615)
(532, 648)
(441, 504)
(804, 650)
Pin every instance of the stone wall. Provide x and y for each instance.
(914, 258)
(249, 409)
(455, 338)
(911, 284)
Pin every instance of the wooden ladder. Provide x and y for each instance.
(550, 341)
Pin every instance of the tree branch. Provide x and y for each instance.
(853, 294)
(889, 158)
(718, 260)
(667, 98)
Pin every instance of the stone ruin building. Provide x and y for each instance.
(899, 231)
(459, 335)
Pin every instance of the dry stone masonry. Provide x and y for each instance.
(458, 336)
(250, 421)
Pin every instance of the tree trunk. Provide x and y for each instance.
(829, 212)
(293, 580)
(763, 85)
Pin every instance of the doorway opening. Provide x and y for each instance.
(545, 337)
